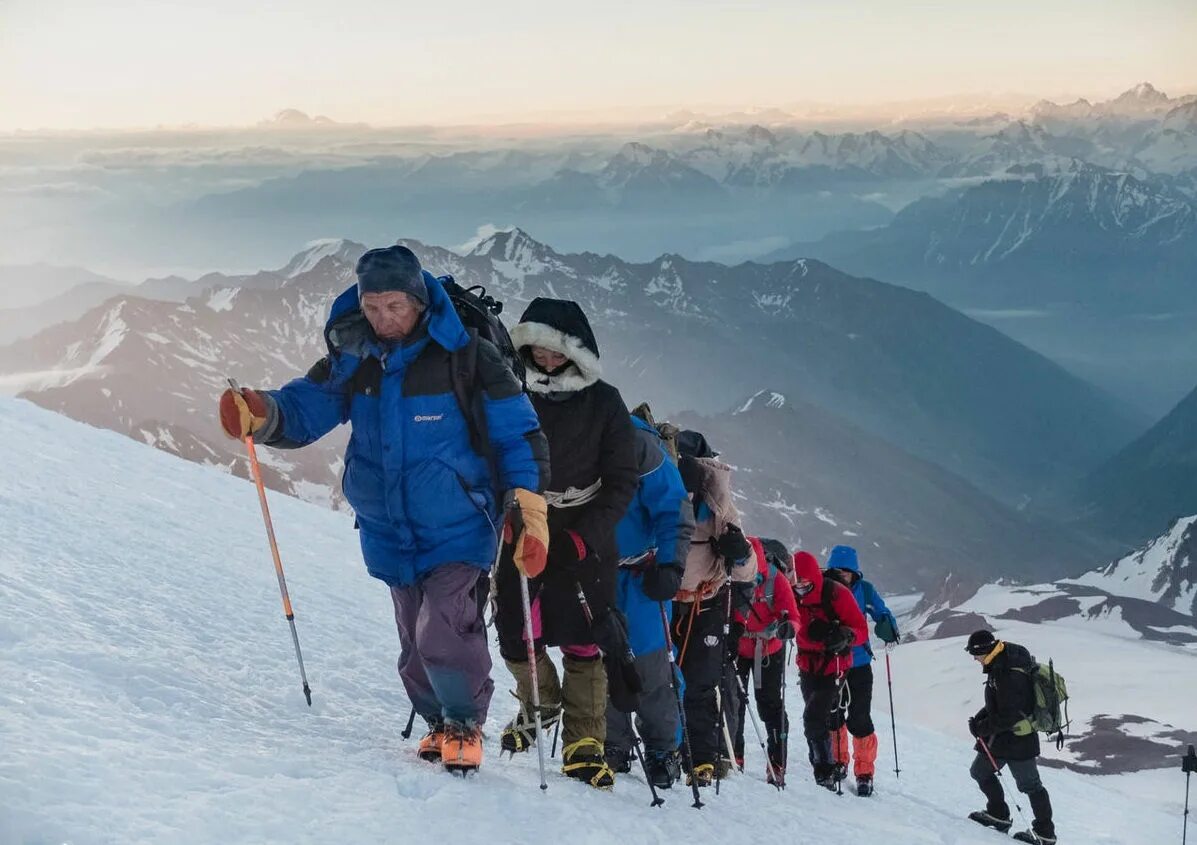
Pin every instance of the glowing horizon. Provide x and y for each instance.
(76, 65)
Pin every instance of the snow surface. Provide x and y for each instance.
(150, 693)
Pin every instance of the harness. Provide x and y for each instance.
(572, 497)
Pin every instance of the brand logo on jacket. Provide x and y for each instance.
(428, 417)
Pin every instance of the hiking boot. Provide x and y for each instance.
(461, 750)
(864, 786)
(739, 764)
(1034, 838)
(663, 768)
(775, 776)
(825, 776)
(988, 819)
(583, 760)
(430, 744)
(519, 735)
(723, 768)
(703, 774)
(840, 772)
(619, 760)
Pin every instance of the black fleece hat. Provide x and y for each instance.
(980, 643)
(392, 268)
(565, 317)
(694, 444)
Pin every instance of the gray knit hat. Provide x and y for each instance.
(391, 268)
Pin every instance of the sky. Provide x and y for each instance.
(125, 63)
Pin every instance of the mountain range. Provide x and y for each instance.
(1150, 482)
(918, 377)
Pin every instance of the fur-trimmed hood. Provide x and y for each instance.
(559, 325)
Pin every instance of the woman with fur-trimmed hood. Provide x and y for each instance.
(593, 477)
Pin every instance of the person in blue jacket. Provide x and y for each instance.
(843, 565)
(429, 508)
(654, 538)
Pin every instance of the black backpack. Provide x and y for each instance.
(479, 313)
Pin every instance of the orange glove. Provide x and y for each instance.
(527, 526)
(244, 413)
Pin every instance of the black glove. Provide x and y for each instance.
(742, 594)
(786, 630)
(839, 640)
(732, 546)
(819, 630)
(610, 632)
(974, 726)
(567, 553)
(662, 580)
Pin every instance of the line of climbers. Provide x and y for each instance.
(476, 457)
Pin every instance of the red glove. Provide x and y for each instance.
(244, 413)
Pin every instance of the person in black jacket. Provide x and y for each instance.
(1002, 726)
(593, 476)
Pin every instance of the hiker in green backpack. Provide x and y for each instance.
(1006, 738)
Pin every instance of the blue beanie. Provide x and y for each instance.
(391, 268)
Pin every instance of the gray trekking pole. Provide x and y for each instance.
(657, 800)
(1188, 765)
(288, 612)
(531, 641)
(997, 770)
(681, 708)
(760, 736)
(719, 687)
(893, 726)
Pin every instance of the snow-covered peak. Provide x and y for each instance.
(1183, 118)
(1144, 93)
(637, 154)
(505, 244)
(762, 399)
(343, 251)
(296, 119)
(1164, 571)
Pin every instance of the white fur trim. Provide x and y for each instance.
(585, 371)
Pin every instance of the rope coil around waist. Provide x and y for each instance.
(572, 497)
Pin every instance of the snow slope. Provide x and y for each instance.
(149, 692)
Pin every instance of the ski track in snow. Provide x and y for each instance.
(150, 693)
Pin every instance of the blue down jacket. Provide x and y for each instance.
(659, 517)
(422, 495)
(867, 597)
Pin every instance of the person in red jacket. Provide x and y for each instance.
(829, 625)
(770, 619)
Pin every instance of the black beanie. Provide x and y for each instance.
(391, 268)
(980, 643)
(693, 444)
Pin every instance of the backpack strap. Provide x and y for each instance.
(825, 599)
(770, 578)
(463, 373)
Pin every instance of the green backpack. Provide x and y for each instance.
(1050, 714)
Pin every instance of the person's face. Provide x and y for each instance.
(803, 586)
(843, 576)
(547, 359)
(392, 314)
